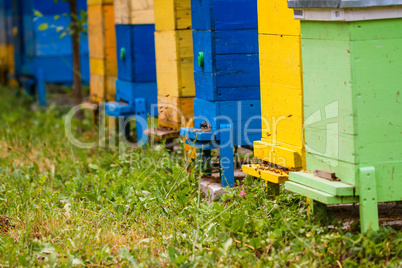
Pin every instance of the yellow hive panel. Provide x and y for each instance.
(134, 11)
(99, 2)
(172, 15)
(102, 36)
(280, 60)
(11, 63)
(281, 89)
(274, 17)
(96, 33)
(110, 33)
(174, 63)
(282, 154)
(102, 88)
(103, 67)
(175, 112)
(3, 55)
(258, 171)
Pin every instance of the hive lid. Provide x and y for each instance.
(341, 3)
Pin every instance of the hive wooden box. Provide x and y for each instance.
(352, 60)
(136, 78)
(282, 140)
(174, 62)
(226, 73)
(134, 11)
(102, 50)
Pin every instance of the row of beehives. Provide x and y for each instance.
(327, 84)
(248, 72)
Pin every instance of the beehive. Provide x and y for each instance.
(5, 9)
(352, 104)
(136, 91)
(281, 94)
(102, 50)
(41, 56)
(226, 72)
(174, 63)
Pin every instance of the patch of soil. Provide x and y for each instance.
(390, 214)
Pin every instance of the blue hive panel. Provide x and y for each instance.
(136, 53)
(46, 7)
(243, 116)
(37, 49)
(127, 92)
(49, 43)
(3, 25)
(224, 14)
(231, 65)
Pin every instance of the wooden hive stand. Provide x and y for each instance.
(41, 56)
(136, 90)
(174, 65)
(281, 148)
(226, 71)
(351, 71)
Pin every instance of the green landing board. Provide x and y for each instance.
(319, 196)
(335, 188)
(352, 73)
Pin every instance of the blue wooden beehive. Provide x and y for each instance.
(136, 89)
(226, 72)
(41, 56)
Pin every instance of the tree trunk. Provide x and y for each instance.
(77, 86)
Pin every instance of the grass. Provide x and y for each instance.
(61, 206)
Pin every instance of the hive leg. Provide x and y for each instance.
(368, 200)
(141, 121)
(204, 158)
(319, 210)
(227, 164)
(272, 189)
(41, 87)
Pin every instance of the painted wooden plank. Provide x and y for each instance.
(103, 67)
(274, 153)
(47, 43)
(96, 32)
(128, 92)
(232, 71)
(317, 195)
(99, 2)
(134, 11)
(275, 18)
(212, 43)
(175, 111)
(174, 61)
(101, 32)
(265, 174)
(243, 115)
(335, 188)
(224, 15)
(138, 63)
(172, 15)
(102, 88)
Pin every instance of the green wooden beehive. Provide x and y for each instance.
(352, 72)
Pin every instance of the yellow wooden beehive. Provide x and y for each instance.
(174, 62)
(102, 50)
(134, 11)
(282, 141)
